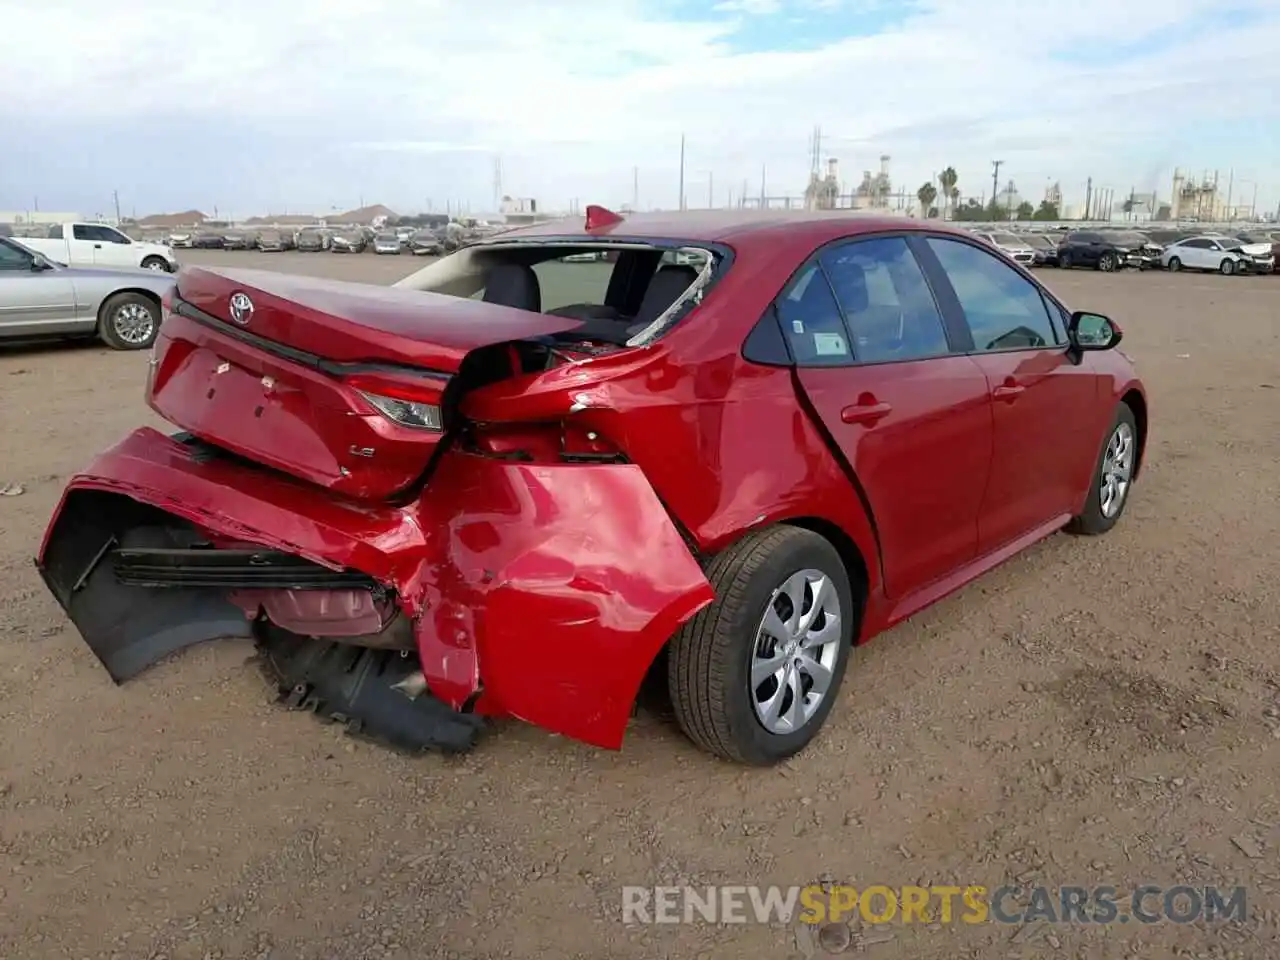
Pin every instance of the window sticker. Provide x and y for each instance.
(829, 345)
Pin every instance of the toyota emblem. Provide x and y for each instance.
(241, 308)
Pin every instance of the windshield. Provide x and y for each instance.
(388, 238)
(1128, 239)
(1008, 240)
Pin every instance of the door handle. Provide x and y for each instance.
(867, 413)
(97, 246)
(1008, 392)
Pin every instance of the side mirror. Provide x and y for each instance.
(39, 263)
(1092, 331)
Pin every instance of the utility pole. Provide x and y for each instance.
(682, 171)
(711, 197)
(1088, 198)
(995, 180)
(1231, 183)
(763, 169)
(115, 196)
(635, 188)
(1253, 205)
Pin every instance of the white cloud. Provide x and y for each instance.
(574, 94)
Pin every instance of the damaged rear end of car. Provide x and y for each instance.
(417, 504)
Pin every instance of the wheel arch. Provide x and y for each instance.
(149, 295)
(855, 564)
(1137, 403)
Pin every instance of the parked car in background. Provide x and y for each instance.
(1271, 237)
(239, 240)
(482, 463)
(42, 299)
(181, 239)
(310, 241)
(100, 245)
(1012, 245)
(425, 243)
(590, 256)
(274, 241)
(1107, 250)
(1045, 248)
(207, 240)
(349, 241)
(1225, 255)
(387, 243)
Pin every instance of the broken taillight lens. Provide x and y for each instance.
(542, 442)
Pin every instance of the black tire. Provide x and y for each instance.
(1175, 264)
(159, 264)
(709, 658)
(1093, 521)
(113, 324)
(1107, 262)
(1227, 267)
(1064, 260)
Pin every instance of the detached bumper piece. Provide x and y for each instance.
(245, 569)
(376, 694)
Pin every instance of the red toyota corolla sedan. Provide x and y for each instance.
(729, 444)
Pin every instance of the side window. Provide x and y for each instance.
(886, 301)
(55, 232)
(811, 321)
(114, 236)
(87, 231)
(1197, 244)
(13, 258)
(1004, 310)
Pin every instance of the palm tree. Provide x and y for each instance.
(947, 179)
(926, 195)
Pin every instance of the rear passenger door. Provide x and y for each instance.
(1044, 406)
(913, 420)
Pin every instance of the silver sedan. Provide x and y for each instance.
(40, 298)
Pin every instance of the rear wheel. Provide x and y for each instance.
(129, 321)
(1064, 260)
(754, 676)
(1112, 477)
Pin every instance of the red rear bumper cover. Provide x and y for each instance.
(548, 588)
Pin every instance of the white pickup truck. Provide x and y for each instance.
(98, 245)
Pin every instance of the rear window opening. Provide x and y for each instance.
(624, 294)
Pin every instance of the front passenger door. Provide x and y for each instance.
(912, 419)
(1044, 404)
(33, 302)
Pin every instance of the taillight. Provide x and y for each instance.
(408, 402)
(543, 442)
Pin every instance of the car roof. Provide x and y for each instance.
(714, 226)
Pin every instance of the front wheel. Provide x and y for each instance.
(129, 321)
(1107, 262)
(1175, 264)
(158, 264)
(1112, 477)
(754, 675)
(1064, 260)
(1227, 267)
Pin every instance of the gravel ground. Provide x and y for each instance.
(1096, 711)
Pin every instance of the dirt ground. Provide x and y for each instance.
(1097, 711)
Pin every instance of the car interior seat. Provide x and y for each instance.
(666, 286)
(513, 285)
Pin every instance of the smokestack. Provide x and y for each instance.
(833, 169)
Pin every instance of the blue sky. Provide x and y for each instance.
(256, 107)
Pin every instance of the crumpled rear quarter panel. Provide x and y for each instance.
(550, 588)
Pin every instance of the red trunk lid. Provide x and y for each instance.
(284, 379)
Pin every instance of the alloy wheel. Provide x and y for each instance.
(133, 323)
